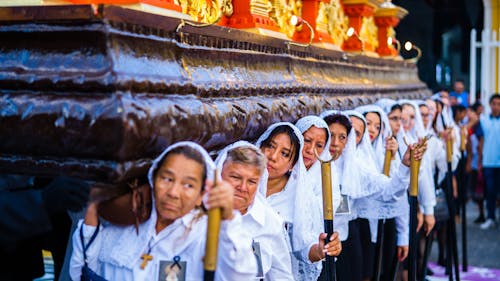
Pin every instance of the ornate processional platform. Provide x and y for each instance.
(96, 89)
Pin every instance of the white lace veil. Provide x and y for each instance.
(364, 149)
(314, 172)
(209, 163)
(304, 124)
(418, 130)
(350, 179)
(445, 118)
(379, 143)
(386, 105)
(305, 218)
(428, 128)
(221, 158)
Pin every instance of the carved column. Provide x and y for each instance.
(310, 9)
(356, 10)
(386, 18)
(252, 15)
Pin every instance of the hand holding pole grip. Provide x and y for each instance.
(328, 212)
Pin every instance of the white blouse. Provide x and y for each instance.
(116, 252)
(267, 229)
(283, 204)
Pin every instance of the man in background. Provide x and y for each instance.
(489, 157)
(459, 96)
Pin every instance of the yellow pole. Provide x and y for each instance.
(414, 167)
(387, 162)
(449, 148)
(214, 220)
(463, 138)
(326, 182)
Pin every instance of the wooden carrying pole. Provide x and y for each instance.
(412, 255)
(212, 244)
(463, 198)
(328, 212)
(387, 162)
(381, 226)
(452, 249)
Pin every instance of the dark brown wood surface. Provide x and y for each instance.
(98, 92)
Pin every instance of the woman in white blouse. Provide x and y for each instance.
(243, 166)
(359, 178)
(317, 137)
(290, 195)
(173, 238)
(395, 243)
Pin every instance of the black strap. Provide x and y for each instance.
(85, 247)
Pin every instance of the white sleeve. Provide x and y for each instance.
(378, 183)
(77, 261)
(403, 227)
(281, 267)
(238, 261)
(426, 188)
(440, 160)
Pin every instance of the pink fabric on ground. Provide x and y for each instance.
(473, 274)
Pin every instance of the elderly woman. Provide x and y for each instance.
(243, 166)
(291, 196)
(174, 235)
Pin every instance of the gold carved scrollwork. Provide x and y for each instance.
(391, 32)
(282, 11)
(332, 20)
(368, 32)
(207, 11)
(261, 7)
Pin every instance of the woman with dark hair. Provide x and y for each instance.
(292, 197)
(176, 230)
(359, 178)
(377, 210)
(316, 142)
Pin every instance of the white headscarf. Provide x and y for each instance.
(209, 163)
(386, 105)
(418, 130)
(221, 158)
(349, 179)
(305, 218)
(445, 118)
(428, 128)
(314, 172)
(385, 131)
(364, 149)
(304, 124)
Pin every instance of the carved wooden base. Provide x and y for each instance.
(99, 96)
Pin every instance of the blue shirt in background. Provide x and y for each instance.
(489, 129)
(462, 98)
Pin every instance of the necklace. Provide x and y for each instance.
(146, 257)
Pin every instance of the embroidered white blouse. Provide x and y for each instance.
(116, 252)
